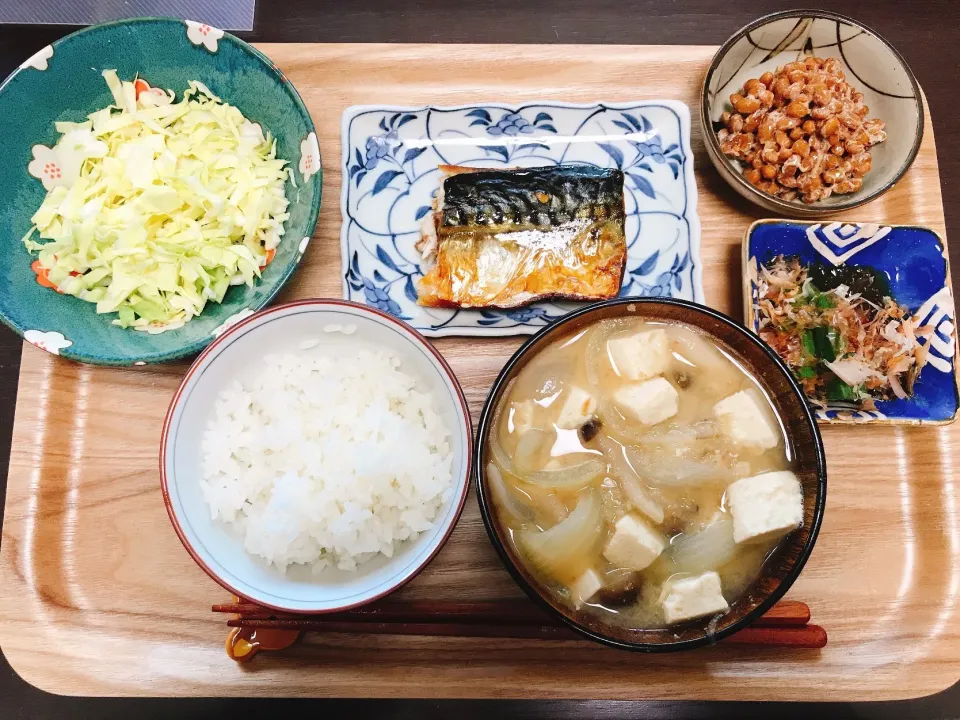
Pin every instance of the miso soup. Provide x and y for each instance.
(641, 473)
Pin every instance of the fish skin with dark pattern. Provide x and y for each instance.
(506, 238)
(532, 198)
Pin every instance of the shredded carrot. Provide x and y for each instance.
(43, 276)
(140, 86)
(271, 254)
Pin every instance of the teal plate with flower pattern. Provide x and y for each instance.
(63, 82)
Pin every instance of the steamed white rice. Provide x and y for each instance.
(327, 460)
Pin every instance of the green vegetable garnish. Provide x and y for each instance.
(162, 205)
(839, 343)
(807, 372)
(806, 339)
(837, 389)
(823, 301)
(823, 343)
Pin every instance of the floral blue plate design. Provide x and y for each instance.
(390, 159)
(914, 260)
(63, 82)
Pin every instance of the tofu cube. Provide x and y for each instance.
(634, 545)
(521, 417)
(640, 356)
(578, 407)
(765, 506)
(585, 587)
(747, 420)
(693, 597)
(650, 402)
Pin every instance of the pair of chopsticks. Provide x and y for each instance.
(786, 624)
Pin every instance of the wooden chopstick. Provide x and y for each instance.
(439, 629)
(784, 613)
(785, 624)
(507, 612)
(806, 636)
(504, 612)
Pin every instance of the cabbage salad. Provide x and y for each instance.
(160, 206)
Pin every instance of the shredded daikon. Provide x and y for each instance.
(843, 346)
(162, 207)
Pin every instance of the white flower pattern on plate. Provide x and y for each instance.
(309, 156)
(52, 342)
(39, 59)
(203, 34)
(47, 168)
(61, 165)
(231, 321)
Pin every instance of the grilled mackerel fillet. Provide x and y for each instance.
(505, 238)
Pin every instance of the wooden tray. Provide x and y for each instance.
(97, 596)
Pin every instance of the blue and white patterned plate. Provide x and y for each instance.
(914, 259)
(390, 159)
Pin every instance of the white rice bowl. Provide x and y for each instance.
(259, 493)
(324, 462)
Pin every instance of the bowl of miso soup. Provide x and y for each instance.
(650, 472)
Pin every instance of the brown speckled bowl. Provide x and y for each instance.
(784, 565)
(871, 65)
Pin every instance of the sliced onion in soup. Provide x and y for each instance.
(504, 498)
(617, 425)
(567, 549)
(708, 549)
(496, 447)
(551, 509)
(669, 470)
(630, 483)
(706, 429)
(568, 479)
(572, 478)
(533, 451)
(498, 452)
(719, 376)
(676, 437)
(596, 356)
(640, 498)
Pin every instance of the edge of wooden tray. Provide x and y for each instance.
(44, 651)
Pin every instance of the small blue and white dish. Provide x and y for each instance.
(915, 263)
(390, 160)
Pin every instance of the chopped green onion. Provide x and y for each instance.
(823, 342)
(840, 345)
(835, 340)
(837, 389)
(807, 372)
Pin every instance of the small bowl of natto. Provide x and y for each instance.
(809, 113)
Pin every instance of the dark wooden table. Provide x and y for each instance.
(926, 34)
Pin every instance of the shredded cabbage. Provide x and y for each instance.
(172, 203)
